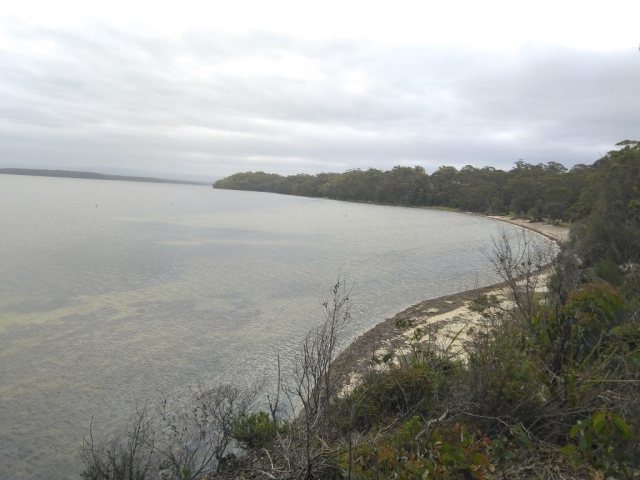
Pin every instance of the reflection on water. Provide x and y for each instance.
(112, 290)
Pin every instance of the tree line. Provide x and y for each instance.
(605, 196)
(525, 187)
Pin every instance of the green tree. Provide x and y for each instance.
(612, 229)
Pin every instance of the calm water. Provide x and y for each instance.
(111, 290)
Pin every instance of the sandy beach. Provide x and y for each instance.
(447, 319)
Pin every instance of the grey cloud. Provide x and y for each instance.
(124, 99)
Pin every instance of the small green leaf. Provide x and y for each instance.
(575, 429)
(599, 418)
(524, 440)
(586, 422)
(622, 426)
(582, 444)
(568, 449)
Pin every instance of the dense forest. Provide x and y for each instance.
(546, 387)
(606, 192)
(538, 190)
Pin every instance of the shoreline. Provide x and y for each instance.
(552, 232)
(448, 316)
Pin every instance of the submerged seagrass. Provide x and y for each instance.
(109, 290)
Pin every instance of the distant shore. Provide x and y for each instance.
(448, 315)
(90, 176)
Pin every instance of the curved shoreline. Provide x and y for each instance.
(552, 232)
(448, 315)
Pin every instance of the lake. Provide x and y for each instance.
(111, 291)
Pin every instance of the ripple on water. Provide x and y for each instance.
(102, 307)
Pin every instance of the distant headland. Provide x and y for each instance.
(90, 175)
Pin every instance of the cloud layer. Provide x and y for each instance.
(206, 103)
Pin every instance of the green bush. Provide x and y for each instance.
(591, 313)
(399, 391)
(441, 456)
(256, 430)
(502, 378)
(606, 442)
(608, 271)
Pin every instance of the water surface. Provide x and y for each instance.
(112, 290)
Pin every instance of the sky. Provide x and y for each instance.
(207, 89)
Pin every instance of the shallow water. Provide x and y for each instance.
(110, 291)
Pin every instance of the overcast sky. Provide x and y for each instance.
(212, 88)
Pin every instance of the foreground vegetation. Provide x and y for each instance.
(547, 387)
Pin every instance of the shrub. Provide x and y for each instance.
(129, 455)
(608, 271)
(589, 315)
(256, 430)
(502, 379)
(394, 393)
(605, 441)
(464, 456)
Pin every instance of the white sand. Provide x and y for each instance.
(449, 331)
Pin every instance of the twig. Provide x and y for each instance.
(433, 421)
